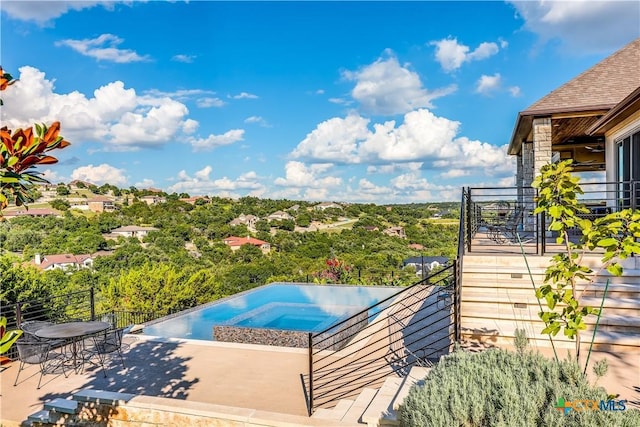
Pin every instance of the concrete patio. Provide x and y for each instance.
(236, 375)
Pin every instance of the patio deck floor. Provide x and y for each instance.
(245, 376)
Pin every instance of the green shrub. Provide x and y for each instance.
(500, 388)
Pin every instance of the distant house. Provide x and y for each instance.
(294, 208)
(429, 263)
(66, 261)
(76, 184)
(416, 246)
(132, 231)
(235, 243)
(371, 228)
(153, 199)
(327, 205)
(101, 204)
(33, 212)
(194, 199)
(395, 232)
(279, 216)
(248, 220)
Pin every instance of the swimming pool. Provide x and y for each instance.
(278, 306)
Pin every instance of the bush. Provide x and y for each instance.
(500, 388)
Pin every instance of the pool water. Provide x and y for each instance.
(282, 306)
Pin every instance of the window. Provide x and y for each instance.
(629, 171)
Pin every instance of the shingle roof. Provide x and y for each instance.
(601, 86)
(595, 91)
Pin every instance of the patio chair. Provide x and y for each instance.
(30, 327)
(105, 344)
(505, 231)
(39, 353)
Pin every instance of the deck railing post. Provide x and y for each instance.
(310, 373)
(18, 314)
(92, 303)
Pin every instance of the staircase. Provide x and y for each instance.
(374, 408)
(497, 297)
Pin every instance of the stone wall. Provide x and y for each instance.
(334, 339)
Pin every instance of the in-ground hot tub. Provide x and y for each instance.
(280, 314)
(289, 325)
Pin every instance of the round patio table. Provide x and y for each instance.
(73, 331)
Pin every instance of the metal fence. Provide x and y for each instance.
(501, 219)
(415, 326)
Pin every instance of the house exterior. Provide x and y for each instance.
(132, 231)
(33, 212)
(279, 216)
(327, 205)
(248, 220)
(424, 264)
(153, 199)
(101, 204)
(194, 199)
(235, 243)
(395, 232)
(593, 119)
(65, 261)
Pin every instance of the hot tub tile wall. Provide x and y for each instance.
(284, 338)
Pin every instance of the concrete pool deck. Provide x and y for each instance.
(243, 376)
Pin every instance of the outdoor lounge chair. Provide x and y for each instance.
(39, 353)
(504, 231)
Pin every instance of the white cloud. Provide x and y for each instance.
(187, 59)
(115, 116)
(244, 95)
(451, 54)
(454, 173)
(202, 183)
(394, 167)
(210, 102)
(257, 120)
(422, 137)
(387, 88)
(320, 92)
(315, 176)
(145, 183)
(339, 101)
(515, 91)
(213, 141)
(334, 140)
(488, 84)
(582, 25)
(103, 48)
(53, 176)
(49, 10)
(101, 174)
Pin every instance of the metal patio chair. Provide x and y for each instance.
(39, 353)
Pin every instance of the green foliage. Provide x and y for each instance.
(617, 233)
(521, 341)
(500, 388)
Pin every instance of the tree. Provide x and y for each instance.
(618, 233)
(21, 150)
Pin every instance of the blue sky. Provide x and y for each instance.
(375, 102)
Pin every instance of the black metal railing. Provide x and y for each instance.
(80, 305)
(415, 326)
(500, 219)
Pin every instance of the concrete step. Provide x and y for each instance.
(360, 405)
(382, 404)
(42, 417)
(64, 406)
(417, 375)
(336, 413)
